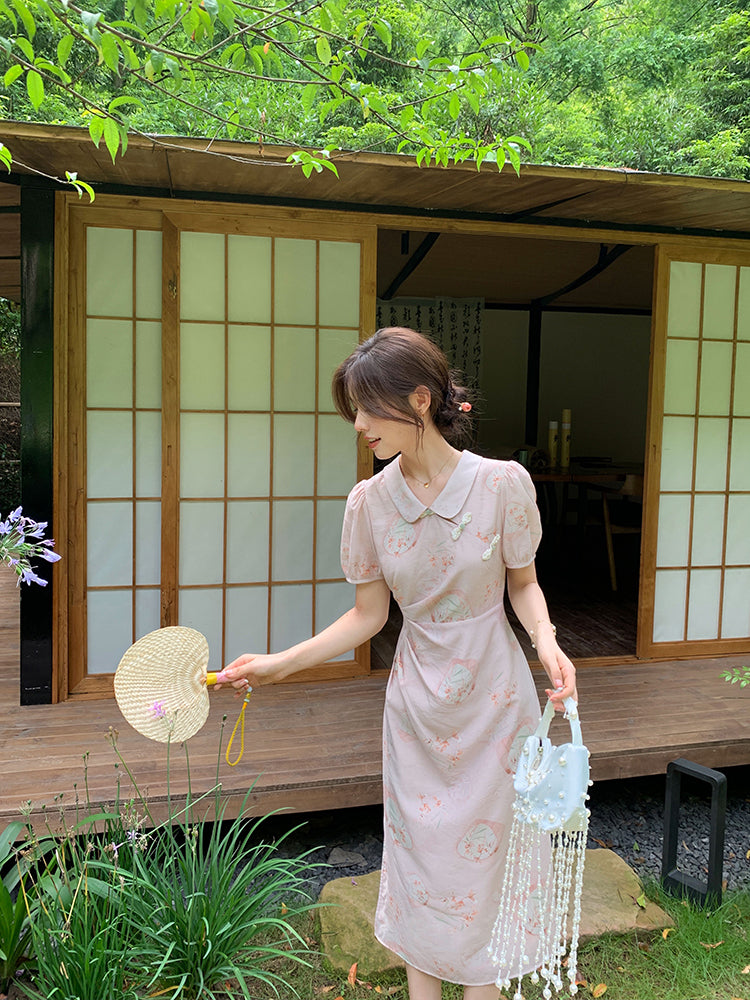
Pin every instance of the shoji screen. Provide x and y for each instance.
(203, 469)
(122, 405)
(701, 557)
(264, 462)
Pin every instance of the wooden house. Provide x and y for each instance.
(178, 432)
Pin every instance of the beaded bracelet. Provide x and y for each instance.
(532, 632)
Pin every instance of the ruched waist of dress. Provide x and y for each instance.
(440, 617)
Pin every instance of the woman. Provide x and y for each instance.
(443, 530)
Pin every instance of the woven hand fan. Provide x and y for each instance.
(161, 685)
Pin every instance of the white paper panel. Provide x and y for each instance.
(681, 376)
(743, 305)
(202, 455)
(677, 453)
(147, 611)
(716, 378)
(201, 610)
(735, 618)
(202, 276)
(109, 454)
(148, 364)
(292, 540)
(291, 616)
(293, 455)
(708, 529)
(109, 362)
(674, 530)
(110, 629)
(247, 541)
(148, 274)
(109, 544)
(684, 299)
(332, 600)
(249, 374)
(294, 369)
(669, 605)
(738, 531)
(148, 454)
(742, 381)
(109, 272)
(711, 458)
(718, 302)
(201, 542)
(294, 282)
(739, 477)
(337, 456)
(147, 542)
(338, 284)
(333, 347)
(246, 629)
(249, 292)
(328, 544)
(201, 366)
(703, 613)
(249, 454)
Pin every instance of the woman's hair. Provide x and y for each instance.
(382, 372)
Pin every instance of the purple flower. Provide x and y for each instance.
(158, 710)
(21, 541)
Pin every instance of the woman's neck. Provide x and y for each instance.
(431, 461)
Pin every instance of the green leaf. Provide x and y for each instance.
(422, 45)
(111, 137)
(323, 49)
(119, 102)
(90, 22)
(26, 17)
(64, 48)
(96, 128)
(35, 88)
(109, 53)
(454, 105)
(26, 47)
(308, 96)
(522, 59)
(384, 33)
(12, 74)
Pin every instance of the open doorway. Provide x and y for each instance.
(586, 350)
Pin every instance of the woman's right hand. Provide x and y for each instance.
(253, 669)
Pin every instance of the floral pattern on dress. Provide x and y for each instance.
(458, 681)
(481, 841)
(458, 699)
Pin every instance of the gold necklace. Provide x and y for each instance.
(432, 478)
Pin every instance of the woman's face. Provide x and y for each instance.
(385, 438)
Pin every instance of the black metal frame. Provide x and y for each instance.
(673, 880)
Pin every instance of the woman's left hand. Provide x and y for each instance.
(562, 675)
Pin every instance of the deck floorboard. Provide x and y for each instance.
(317, 746)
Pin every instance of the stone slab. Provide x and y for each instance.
(609, 904)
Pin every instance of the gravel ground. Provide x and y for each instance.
(626, 816)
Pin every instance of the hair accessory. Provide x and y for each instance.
(161, 686)
(464, 407)
(550, 827)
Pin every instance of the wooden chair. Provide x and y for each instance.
(629, 493)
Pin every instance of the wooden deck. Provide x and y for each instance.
(314, 747)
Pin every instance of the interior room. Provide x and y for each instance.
(542, 327)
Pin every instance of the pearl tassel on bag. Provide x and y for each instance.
(549, 832)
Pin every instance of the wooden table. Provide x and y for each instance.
(586, 477)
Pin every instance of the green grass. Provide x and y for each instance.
(702, 958)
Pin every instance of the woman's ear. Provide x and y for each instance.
(420, 399)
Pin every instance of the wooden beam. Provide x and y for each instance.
(411, 265)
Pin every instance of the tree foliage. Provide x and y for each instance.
(282, 71)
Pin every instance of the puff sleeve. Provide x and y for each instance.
(522, 526)
(359, 557)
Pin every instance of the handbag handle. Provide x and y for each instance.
(571, 714)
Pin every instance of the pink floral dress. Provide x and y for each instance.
(459, 704)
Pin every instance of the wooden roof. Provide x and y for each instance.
(572, 195)
(595, 199)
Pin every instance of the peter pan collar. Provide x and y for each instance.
(447, 503)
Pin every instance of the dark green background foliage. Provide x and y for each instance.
(10, 392)
(660, 85)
